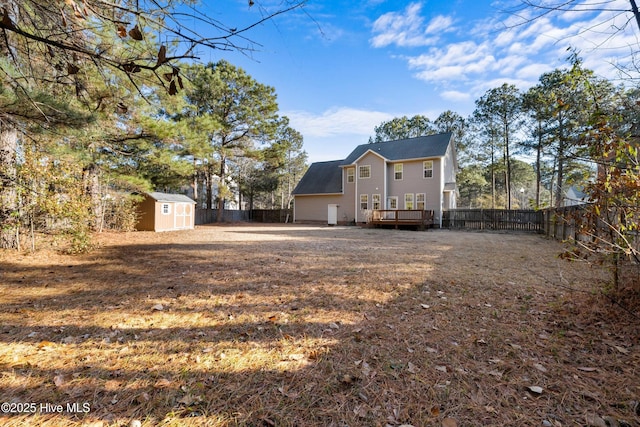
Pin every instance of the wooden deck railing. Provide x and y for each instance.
(398, 217)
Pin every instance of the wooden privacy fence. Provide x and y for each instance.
(209, 216)
(495, 219)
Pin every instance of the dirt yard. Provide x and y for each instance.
(314, 326)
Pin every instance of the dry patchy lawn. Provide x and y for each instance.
(314, 326)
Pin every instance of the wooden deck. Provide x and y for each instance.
(398, 217)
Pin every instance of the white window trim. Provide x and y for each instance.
(425, 169)
(361, 168)
(364, 198)
(412, 201)
(168, 210)
(376, 199)
(395, 172)
(422, 196)
(390, 199)
(351, 175)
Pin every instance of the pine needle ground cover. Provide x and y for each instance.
(286, 325)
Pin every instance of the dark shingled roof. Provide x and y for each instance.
(326, 177)
(321, 178)
(405, 149)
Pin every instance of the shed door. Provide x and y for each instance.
(180, 216)
(332, 214)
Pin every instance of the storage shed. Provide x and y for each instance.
(166, 212)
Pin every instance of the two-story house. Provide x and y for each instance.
(417, 173)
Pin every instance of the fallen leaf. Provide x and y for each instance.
(441, 368)
(45, 345)
(157, 307)
(360, 411)
(449, 422)
(535, 389)
(621, 349)
(60, 380)
(435, 411)
(425, 306)
(539, 367)
(412, 368)
(587, 369)
(594, 421)
(162, 383)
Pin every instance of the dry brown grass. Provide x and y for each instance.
(315, 326)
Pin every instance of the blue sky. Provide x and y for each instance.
(340, 68)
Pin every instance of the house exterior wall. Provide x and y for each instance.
(347, 209)
(313, 208)
(449, 165)
(413, 182)
(375, 184)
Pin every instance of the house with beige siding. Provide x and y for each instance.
(408, 174)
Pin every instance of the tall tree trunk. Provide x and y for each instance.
(508, 164)
(91, 177)
(9, 221)
(561, 155)
(493, 179)
(538, 164)
(221, 189)
(209, 181)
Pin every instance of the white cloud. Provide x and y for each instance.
(336, 121)
(455, 96)
(408, 29)
(440, 24)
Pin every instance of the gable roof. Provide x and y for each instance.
(321, 178)
(404, 149)
(166, 197)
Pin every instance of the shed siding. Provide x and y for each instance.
(165, 222)
(146, 215)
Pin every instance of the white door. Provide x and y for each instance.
(332, 214)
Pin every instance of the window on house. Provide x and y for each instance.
(397, 171)
(408, 201)
(364, 202)
(392, 202)
(375, 200)
(420, 201)
(364, 171)
(351, 174)
(427, 167)
(166, 209)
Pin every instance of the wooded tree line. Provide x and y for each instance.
(524, 149)
(102, 101)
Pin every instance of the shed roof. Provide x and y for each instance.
(321, 178)
(167, 197)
